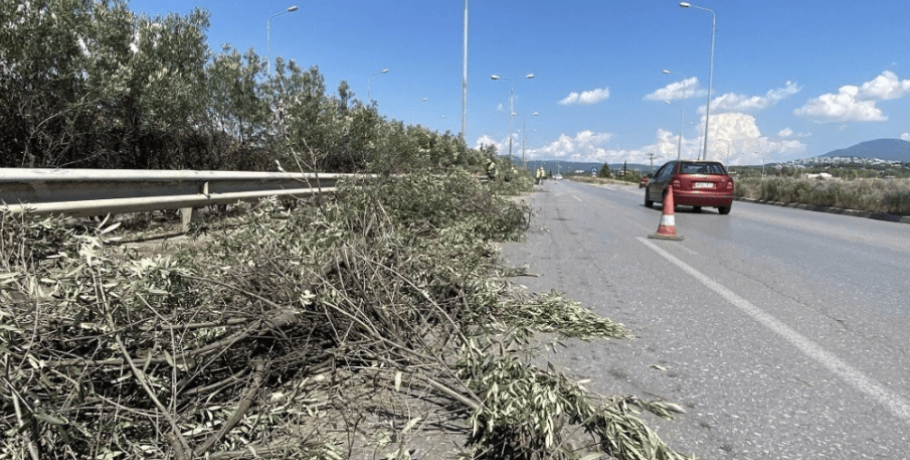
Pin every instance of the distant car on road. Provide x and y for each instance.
(695, 183)
(644, 180)
(558, 177)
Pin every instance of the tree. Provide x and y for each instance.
(84, 82)
(604, 171)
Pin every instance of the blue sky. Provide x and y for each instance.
(792, 79)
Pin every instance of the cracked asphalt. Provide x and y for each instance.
(784, 333)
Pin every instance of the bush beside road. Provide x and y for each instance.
(885, 196)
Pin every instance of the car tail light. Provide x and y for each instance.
(730, 186)
(677, 185)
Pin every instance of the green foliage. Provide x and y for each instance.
(630, 175)
(447, 199)
(528, 411)
(88, 83)
(604, 171)
(551, 313)
(91, 84)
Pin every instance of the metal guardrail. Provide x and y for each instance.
(90, 192)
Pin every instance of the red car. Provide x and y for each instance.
(644, 180)
(695, 183)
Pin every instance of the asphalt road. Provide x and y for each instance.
(784, 333)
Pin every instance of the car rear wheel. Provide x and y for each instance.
(696, 208)
(648, 203)
(724, 210)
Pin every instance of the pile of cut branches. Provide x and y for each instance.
(356, 327)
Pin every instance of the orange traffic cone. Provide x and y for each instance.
(667, 228)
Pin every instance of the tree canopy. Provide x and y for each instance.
(89, 84)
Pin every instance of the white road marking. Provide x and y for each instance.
(577, 198)
(892, 401)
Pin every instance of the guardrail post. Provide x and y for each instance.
(186, 216)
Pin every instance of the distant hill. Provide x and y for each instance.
(883, 149)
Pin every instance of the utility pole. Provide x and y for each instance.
(464, 81)
(651, 156)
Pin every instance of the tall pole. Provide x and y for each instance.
(511, 81)
(685, 93)
(268, 34)
(710, 83)
(524, 136)
(511, 114)
(710, 70)
(464, 81)
(524, 163)
(370, 77)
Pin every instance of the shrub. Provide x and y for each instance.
(874, 195)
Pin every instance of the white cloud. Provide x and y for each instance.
(586, 97)
(486, 141)
(856, 103)
(735, 139)
(739, 102)
(905, 136)
(677, 90)
(585, 144)
(841, 107)
(885, 87)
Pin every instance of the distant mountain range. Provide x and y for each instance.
(883, 149)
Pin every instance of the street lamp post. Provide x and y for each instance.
(710, 70)
(511, 98)
(268, 33)
(464, 80)
(370, 77)
(524, 136)
(685, 90)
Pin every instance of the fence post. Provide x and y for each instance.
(186, 216)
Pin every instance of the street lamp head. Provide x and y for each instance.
(535, 114)
(529, 76)
(494, 77)
(667, 72)
(292, 8)
(385, 71)
(684, 4)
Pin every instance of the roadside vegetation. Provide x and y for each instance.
(365, 325)
(88, 84)
(891, 196)
(378, 322)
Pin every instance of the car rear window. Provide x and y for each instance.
(701, 168)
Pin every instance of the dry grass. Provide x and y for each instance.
(890, 196)
(587, 179)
